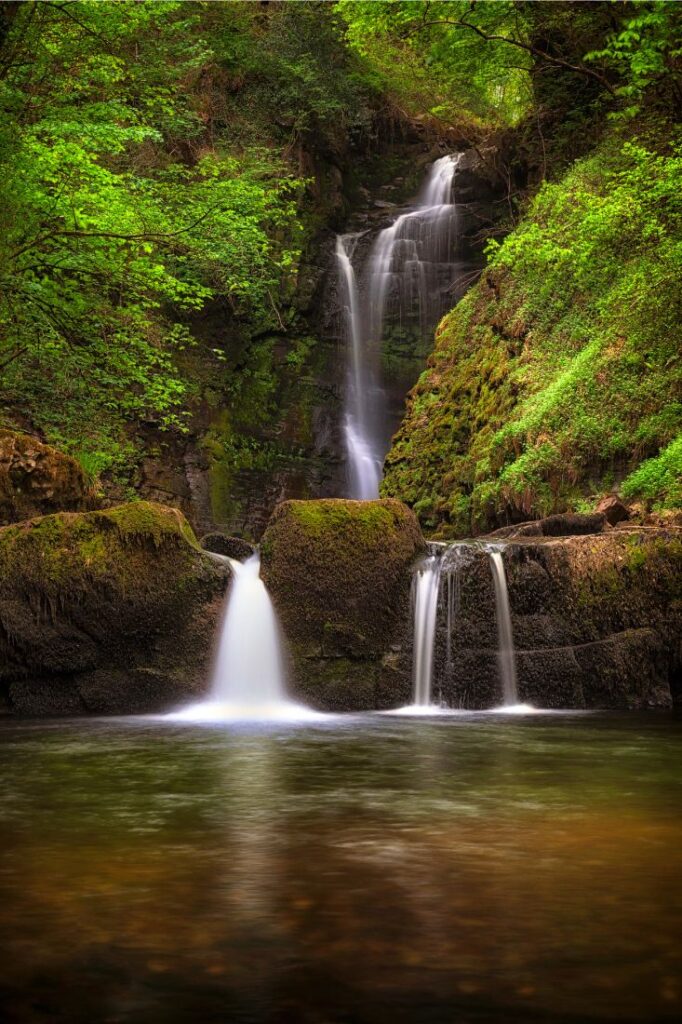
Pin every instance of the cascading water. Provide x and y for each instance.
(506, 655)
(248, 677)
(362, 396)
(405, 278)
(409, 269)
(426, 586)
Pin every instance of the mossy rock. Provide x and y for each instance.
(339, 574)
(126, 590)
(36, 479)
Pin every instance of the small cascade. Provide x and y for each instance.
(406, 279)
(248, 679)
(425, 590)
(506, 656)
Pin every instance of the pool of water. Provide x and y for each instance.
(356, 869)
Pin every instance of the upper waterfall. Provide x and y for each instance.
(406, 278)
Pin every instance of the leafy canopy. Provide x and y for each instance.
(120, 215)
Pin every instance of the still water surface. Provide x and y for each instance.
(361, 869)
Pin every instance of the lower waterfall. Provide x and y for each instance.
(249, 679)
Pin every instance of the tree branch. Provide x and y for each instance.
(535, 51)
(141, 236)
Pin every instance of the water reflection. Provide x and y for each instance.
(363, 869)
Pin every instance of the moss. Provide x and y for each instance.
(366, 520)
(143, 520)
(339, 572)
(79, 550)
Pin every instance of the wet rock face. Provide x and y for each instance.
(223, 544)
(105, 612)
(339, 575)
(596, 623)
(37, 479)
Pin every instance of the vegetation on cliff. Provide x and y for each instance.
(152, 158)
(559, 376)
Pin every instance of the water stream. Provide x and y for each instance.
(437, 585)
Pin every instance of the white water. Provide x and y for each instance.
(506, 656)
(426, 584)
(362, 447)
(248, 677)
(408, 266)
(406, 276)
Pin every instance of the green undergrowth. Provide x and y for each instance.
(558, 378)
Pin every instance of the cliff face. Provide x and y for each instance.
(596, 622)
(267, 426)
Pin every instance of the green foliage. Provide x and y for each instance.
(109, 239)
(433, 63)
(645, 56)
(561, 371)
(658, 480)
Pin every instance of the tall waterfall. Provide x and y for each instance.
(248, 679)
(363, 398)
(426, 586)
(506, 656)
(405, 278)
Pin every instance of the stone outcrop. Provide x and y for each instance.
(339, 575)
(105, 612)
(115, 611)
(223, 544)
(597, 622)
(36, 479)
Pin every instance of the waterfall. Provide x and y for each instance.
(362, 444)
(405, 278)
(248, 679)
(425, 587)
(249, 670)
(506, 656)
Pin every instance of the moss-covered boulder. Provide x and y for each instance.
(36, 479)
(339, 574)
(597, 621)
(106, 611)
